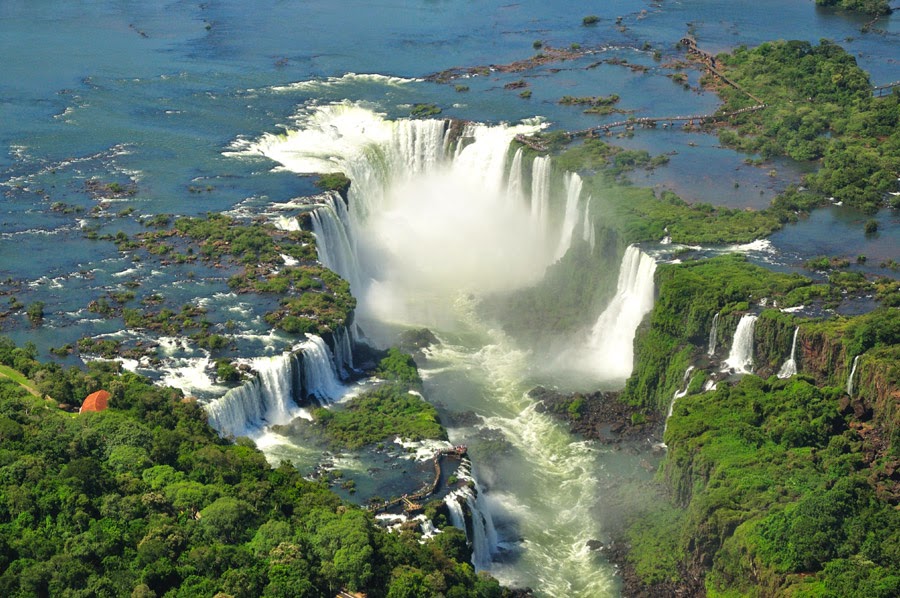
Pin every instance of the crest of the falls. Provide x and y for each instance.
(610, 347)
(789, 368)
(740, 359)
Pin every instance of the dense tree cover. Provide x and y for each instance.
(398, 366)
(777, 497)
(383, 413)
(395, 408)
(145, 499)
(819, 107)
(871, 7)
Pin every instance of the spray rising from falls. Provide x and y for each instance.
(790, 366)
(273, 395)
(436, 208)
(610, 346)
(740, 359)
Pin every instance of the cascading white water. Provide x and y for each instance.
(334, 240)
(343, 353)
(573, 186)
(789, 368)
(610, 349)
(483, 536)
(713, 336)
(740, 359)
(320, 377)
(267, 399)
(587, 233)
(686, 384)
(852, 374)
(515, 193)
(457, 517)
(271, 397)
(540, 192)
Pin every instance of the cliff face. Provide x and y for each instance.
(771, 479)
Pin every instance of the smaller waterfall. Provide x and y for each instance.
(790, 366)
(514, 189)
(334, 240)
(686, 383)
(343, 353)
(267, 399)
(611, 343)
(587, 232)
(319, 374)
(482, 535)
(573, 185)
(713, 335)
(457, 517)
(540, 192)
(740, 359)
(852, 374)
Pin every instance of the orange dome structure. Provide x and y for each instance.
(96, 401)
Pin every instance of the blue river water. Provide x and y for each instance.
(158, 94)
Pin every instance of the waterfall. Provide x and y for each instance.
(587, 233)
(740, 359)
(686, 383)
(713, 335)
(334, 239)
(271, 397)
(850, 377)
(540, 192)
(320, 377)
(482, 535)
(514, 188)
(790, 366)
(268, 399)
(343, 353)
(457, 517)
(611, 342)
(573, 185)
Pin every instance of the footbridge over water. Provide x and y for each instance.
(412, 503)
